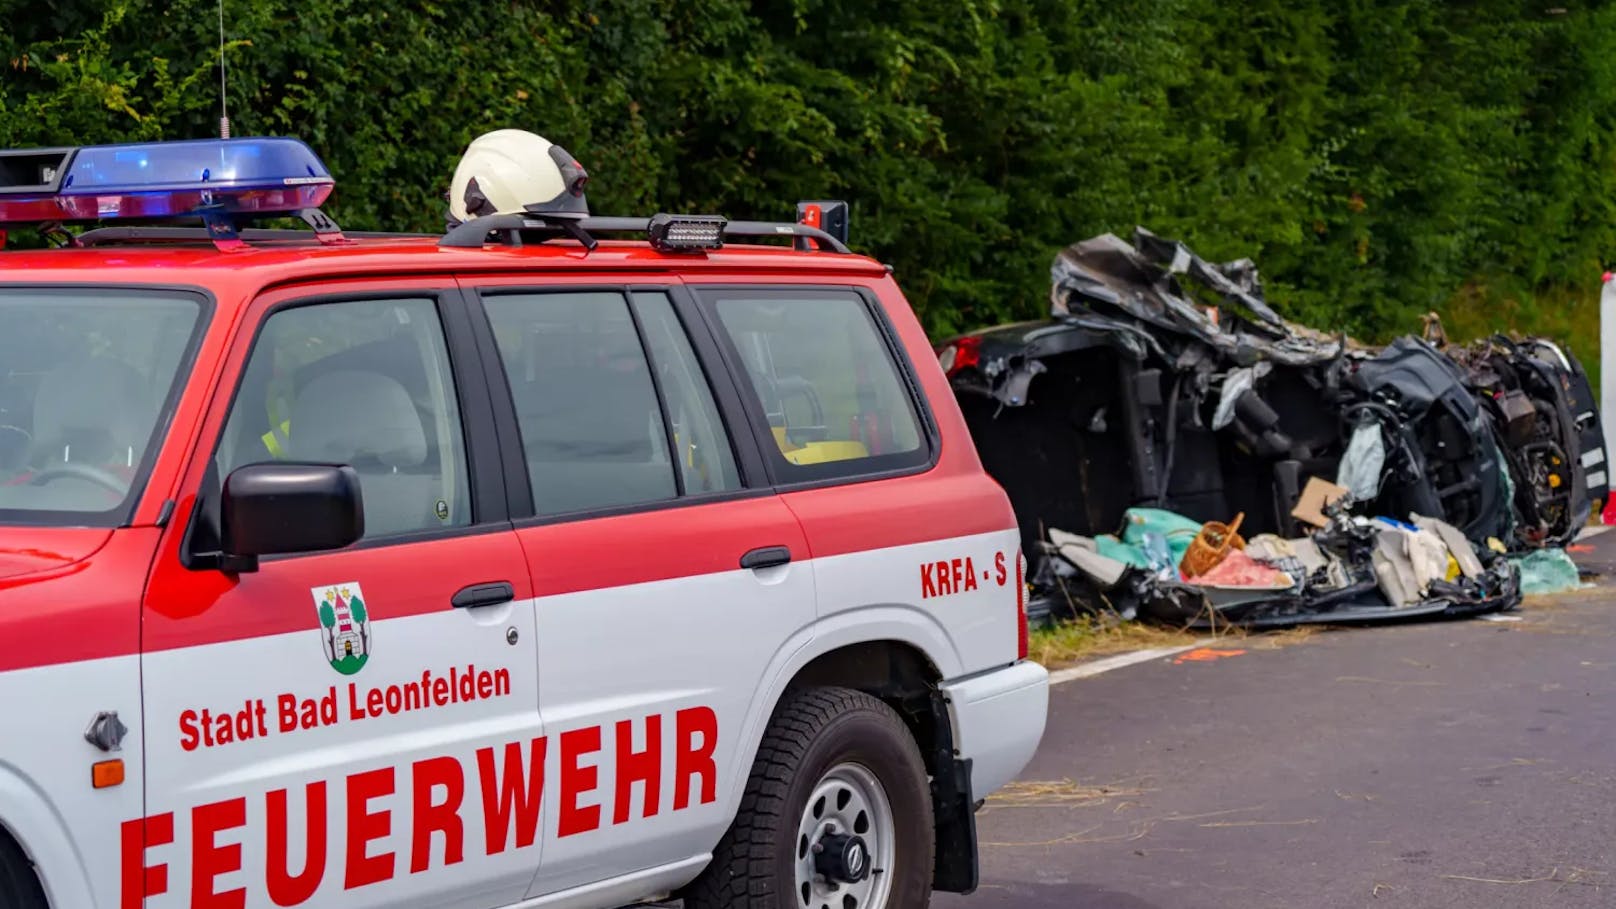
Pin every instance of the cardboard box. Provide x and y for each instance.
(1317, 494)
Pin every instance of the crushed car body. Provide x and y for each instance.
(1163, 381)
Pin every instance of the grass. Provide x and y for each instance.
(1086, 638)
(1093, 636)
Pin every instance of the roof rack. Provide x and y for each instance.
(667, 233)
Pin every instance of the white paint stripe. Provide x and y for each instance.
(1592, 530)
(1120, 660)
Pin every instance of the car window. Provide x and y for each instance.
(830, 392)
(706, 460)
(86, 379)
(592, 431)
(365, 383)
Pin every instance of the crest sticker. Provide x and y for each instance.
(344, 625)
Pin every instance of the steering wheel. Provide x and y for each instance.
(96, 475)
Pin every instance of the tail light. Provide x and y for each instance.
(1021, 606)
(963, 353)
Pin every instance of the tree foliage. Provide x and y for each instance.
(1377, 159)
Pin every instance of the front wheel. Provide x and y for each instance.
(836, 815)
(19, 885)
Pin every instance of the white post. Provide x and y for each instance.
(1607, 362)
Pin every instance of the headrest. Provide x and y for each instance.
(97, 396)
(350, 417)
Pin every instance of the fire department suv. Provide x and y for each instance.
(555, 560)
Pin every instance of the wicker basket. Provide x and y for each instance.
(1211, 545)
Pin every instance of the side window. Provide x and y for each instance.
(607, 421)
(365, 383)
(826, 381)
(706, 460)
(592, 432)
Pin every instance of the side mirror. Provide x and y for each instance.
(279, 507)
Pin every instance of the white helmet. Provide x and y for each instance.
(512, 171)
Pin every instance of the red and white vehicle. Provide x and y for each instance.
(508, 567)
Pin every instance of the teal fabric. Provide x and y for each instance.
(1178, 530)
(1547, 571)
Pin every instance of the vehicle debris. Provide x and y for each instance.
(1377, 481)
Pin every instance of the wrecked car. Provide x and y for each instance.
(1543, 411)
(1165, 381)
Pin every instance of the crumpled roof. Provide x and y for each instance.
(1147, 280)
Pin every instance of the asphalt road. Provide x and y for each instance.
(1452, 764)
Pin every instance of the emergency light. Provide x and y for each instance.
(674, 233)
(201, 177)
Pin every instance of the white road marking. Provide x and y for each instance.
(1098, 667)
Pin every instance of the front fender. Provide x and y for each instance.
(34, 823)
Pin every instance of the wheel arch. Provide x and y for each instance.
(898, 670)
(28, 823)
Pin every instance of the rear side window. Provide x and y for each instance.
(824, 380)
(612, 407)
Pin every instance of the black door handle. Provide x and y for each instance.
(766, 557)
(483, 595)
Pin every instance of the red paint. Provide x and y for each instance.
(578, 779)
(1022, 632)
(511, 782)
(140, 880)
(93, 596)
(512, 795)
(644, 767)
(947, 577)
(365, 825)
(431, 817)
(697, 735)
(209, 858)
(33, 550)
(285, 888)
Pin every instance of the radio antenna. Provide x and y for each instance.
(224, 100)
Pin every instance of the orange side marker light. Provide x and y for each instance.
(106, 774)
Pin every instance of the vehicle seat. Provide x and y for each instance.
(591, 429)
(367, 421)
(92, 410)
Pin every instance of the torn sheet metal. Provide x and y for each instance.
(1166, 380)
(1443, 461)
(1147, 280)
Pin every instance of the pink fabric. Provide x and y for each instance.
(1240, 570)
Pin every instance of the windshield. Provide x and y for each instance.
(86, 379)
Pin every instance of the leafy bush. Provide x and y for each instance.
(1378, 159)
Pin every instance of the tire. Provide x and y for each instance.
(826, 747)
(19, 885)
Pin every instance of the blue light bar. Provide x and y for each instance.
(161, 179)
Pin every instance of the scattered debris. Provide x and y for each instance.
(1165, 397)
(1547, 571)
(1206, 655)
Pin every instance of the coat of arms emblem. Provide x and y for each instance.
(344, 625)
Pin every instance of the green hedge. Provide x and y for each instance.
(1377, 159)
